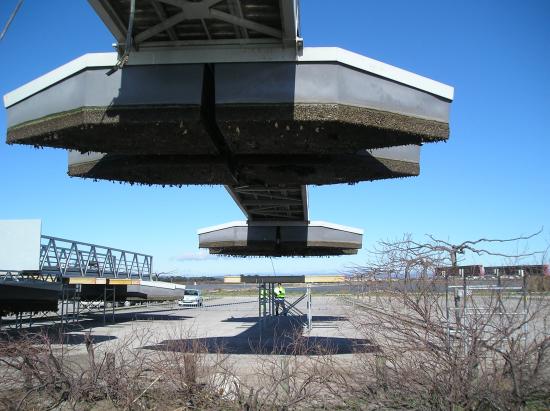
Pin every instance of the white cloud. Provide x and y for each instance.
(201, 255)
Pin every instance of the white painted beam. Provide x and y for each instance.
(282, 223)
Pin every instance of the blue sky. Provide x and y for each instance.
(491, 179)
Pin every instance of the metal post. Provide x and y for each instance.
(270, 299)
(62, 304)
(78, 310)
(524, 297)
(464, 293)
(75, 316)
(114, 298)
(104, 302)
(272, 285)
(447, 311)
(260, 303)
(78, 289)
(457, 310)
(309, 315)
(499, 296)
(264, 303)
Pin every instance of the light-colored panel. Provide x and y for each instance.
(59, 74)
(149, 85)
(233, 224)
(317, 279)
(235, 54)
(323, 83)
(20, 244)
(232, 279)
(325, 278)
(83, 280)
(158, 284)
(119, 281)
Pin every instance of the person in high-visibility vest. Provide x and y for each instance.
(279, 292)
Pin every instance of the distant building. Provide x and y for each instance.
(503, 270)
(460, 271)
(517, 270)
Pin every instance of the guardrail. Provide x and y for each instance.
(9, 275)
(66, 258)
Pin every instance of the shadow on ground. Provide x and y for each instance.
(54, 335)
(146, 316)
(273, 336)
(74, 333)
(315, 318)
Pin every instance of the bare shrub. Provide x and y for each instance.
(38, 374)
(197, 374)
(293, 374)
(440, 347)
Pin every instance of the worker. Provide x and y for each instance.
(279, 293)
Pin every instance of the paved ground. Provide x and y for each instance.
(231, 321)
(227, 324)
(230, 324)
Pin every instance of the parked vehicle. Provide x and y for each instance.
(191, 298)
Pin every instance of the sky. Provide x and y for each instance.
(491, 179)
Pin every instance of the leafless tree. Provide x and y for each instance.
(489, 351)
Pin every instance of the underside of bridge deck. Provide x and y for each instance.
(223, 92)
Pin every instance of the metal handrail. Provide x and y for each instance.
(59, 257)
(9, 274)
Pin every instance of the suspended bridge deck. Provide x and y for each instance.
(223, 92)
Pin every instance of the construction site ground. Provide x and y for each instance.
(227, 326)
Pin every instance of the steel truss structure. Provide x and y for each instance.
(61, 258)
(9, 275)
(281, 203)
(180, 23)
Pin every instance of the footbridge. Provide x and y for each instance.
(224, 92)
(38, 271)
